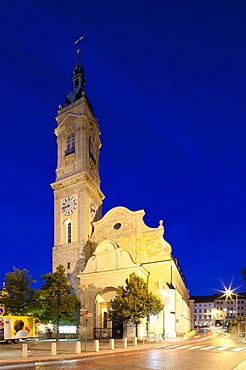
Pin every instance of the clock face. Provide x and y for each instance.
(68, 206)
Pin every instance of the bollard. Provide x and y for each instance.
(77, 347)
(135, 341)
(124, 342)
(96, 345)
(111, 343)
(24, 350)
(53, 349)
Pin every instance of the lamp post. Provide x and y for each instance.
(228, 294)
(164, 294)
(236, 315)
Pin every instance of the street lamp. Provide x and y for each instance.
(228, 293)
(164, 294)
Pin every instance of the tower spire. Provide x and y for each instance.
(78, 79)
(78, 50)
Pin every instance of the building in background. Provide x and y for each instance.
(218, 309)
(99, 253)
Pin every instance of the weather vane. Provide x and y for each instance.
(76, 42)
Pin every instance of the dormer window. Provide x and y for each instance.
(70, 144)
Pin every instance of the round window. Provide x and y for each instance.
(117, 226)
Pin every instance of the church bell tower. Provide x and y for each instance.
(77, 194)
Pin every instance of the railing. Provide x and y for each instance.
(107, 333)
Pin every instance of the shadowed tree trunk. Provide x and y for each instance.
(57, 330)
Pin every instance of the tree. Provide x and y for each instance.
(133, 302)
(17, 296)
(56, 303)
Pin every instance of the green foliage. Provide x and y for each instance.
(154, 305)
(133, 302)
(56, 303)
(234, 323)
(17, 296)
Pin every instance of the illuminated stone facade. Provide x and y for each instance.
(77, 194)
(100, 253)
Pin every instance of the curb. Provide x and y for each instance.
(40, 359)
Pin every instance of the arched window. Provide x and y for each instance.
(70, 144)
(68, 230)
(105, 320)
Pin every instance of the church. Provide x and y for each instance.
(100, 251)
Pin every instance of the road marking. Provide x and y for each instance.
(221, 348)
(207, 348)
(240, 366)
(202, 348)
(237, 349)
(196, 347)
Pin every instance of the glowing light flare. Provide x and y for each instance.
(228, 291)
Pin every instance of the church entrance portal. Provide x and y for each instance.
(106, 328)
(117, 330)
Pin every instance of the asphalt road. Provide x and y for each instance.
(208, 351)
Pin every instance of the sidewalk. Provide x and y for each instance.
(41, 350)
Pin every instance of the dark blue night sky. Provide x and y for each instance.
(167, 81)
